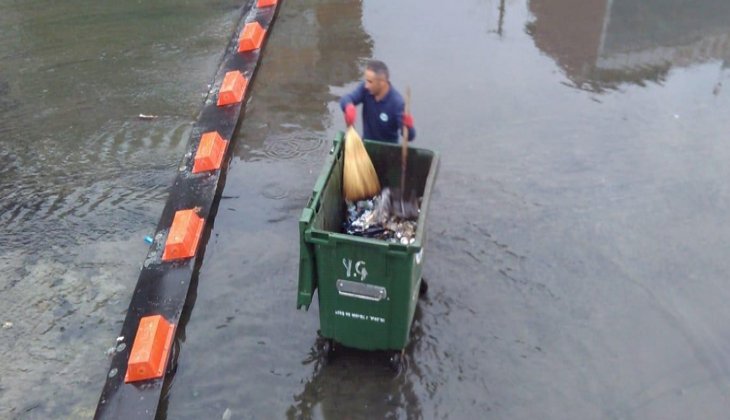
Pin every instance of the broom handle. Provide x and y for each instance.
(404, 146)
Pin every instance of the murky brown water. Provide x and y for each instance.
(577, 255)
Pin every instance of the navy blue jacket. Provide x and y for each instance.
(381, 120)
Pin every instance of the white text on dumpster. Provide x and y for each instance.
(360, 270)
(362, 317)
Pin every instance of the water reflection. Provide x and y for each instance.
(601, 44)
(320, 45)
(360, 383)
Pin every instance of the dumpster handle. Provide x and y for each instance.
(360, 290)
(321, 238)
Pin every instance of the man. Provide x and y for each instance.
(383, 111)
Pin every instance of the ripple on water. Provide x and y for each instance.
(107, 183)
(274, 191)
(289, 146)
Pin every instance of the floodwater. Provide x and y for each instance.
(577, 260)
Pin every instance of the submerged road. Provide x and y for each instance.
(577, 230)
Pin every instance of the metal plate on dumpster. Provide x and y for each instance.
(361, 290)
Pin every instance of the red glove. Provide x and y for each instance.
(408, 120)
(350, 114)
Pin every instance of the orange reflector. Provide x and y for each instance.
(232, 88)
(251, 37)
(266, 3)
(182, 241)
(151, 349)
(210, 152)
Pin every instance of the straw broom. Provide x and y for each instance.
(359, 180)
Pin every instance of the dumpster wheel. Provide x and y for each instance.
(328, 349)
(397, 361)
(422, 288)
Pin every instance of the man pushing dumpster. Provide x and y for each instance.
(384, 117)
(383, 108)
(367, 287)
(366, 262)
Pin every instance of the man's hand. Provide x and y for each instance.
(350, 114)
(408, 120)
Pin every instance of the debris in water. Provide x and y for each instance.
(147, 117)
(227, 414)
(7, 325)
(375, 218)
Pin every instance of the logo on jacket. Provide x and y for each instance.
(383, 117)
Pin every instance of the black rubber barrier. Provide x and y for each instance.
(163, 287)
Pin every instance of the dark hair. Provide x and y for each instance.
(379, 68)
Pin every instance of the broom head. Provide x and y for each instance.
(359, 179)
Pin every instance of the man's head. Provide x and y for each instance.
(376, 78)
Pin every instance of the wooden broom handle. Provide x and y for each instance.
(407, 110)
(404, 146)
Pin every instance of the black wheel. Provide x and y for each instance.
(423, 288)
(328, 349)
(396, 361)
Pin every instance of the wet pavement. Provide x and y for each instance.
(577, 230)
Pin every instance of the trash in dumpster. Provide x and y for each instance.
(374, 218)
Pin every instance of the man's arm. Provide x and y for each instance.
(355, 97)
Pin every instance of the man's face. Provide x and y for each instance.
(374, 83)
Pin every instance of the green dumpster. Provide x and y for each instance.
(368, 288)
